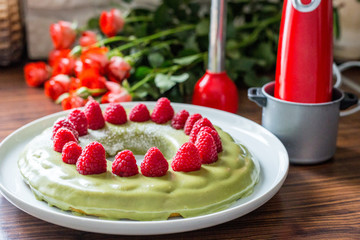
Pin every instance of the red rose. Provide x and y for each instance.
(87, 38)
(115, 93)
(91, 79)
(56, 54)
(118, 69)
(111, 22)
(78, 67)
(75, 84)
(72, 101)
(36, 73)
(111, 97)
(64, 65)
(56, 86)
(95, 58)
(62, 34)
(113, 87)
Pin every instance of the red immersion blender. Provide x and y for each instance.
(215, 89)
(302, 108)
(304, 60)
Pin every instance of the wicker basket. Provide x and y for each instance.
(11, 32)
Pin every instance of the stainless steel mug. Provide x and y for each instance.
(308, 131)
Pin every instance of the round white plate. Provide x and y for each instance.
(265, 147)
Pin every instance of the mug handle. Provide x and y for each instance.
(349, 98)
(337, 74)
(255, 95)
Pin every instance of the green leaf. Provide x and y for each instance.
(230, 31)
(194, 11)
(141, 30)
(252, 80)
(76, 51)
(175, 95)
(142, 71)
(190, 83)
(155, 59)
(163, 82)
(336, 23)
(231, 49)
(151, 90)
(62, 97)
(180, 13)
(126, 85)
(93, 23)
(115, 53)
(179, 78)
(186, 60)
(145, 92)
(185, 53)
(245, 64)
(265, 52)
(161, 16)
(174, 4)
(202, 28)
(141, 93)
(191, 43)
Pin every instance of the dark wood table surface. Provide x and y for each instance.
(316, 202)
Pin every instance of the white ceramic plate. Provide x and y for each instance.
(265, 147)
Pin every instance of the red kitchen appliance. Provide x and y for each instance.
(215, 89)
(302, 108)
(304, 60)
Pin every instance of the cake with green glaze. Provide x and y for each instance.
(187, 194)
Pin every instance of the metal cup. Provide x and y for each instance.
(308, 131)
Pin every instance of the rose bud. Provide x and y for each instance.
(111, 22)
(118, 69)
(36, 73)
(62, 34)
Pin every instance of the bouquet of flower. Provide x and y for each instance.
(146, 53)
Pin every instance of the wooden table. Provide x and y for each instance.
(319, 202)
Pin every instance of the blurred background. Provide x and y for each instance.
(251, 35)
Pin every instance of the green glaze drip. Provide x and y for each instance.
(213, 188)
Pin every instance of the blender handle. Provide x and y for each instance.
(298, 5)
(217, 36)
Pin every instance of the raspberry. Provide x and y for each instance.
(62, 136)
(197, 126)
(94, 115)
(154, 163)
(115, 114)
(206, 145)
(65, 123)
(215, 136)
(178, 121)
(124, 164)
(139, 113)
(71, 152)
(190, 122)
(163, 111)
(187, 158)
(92, 159)
(78, 118)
